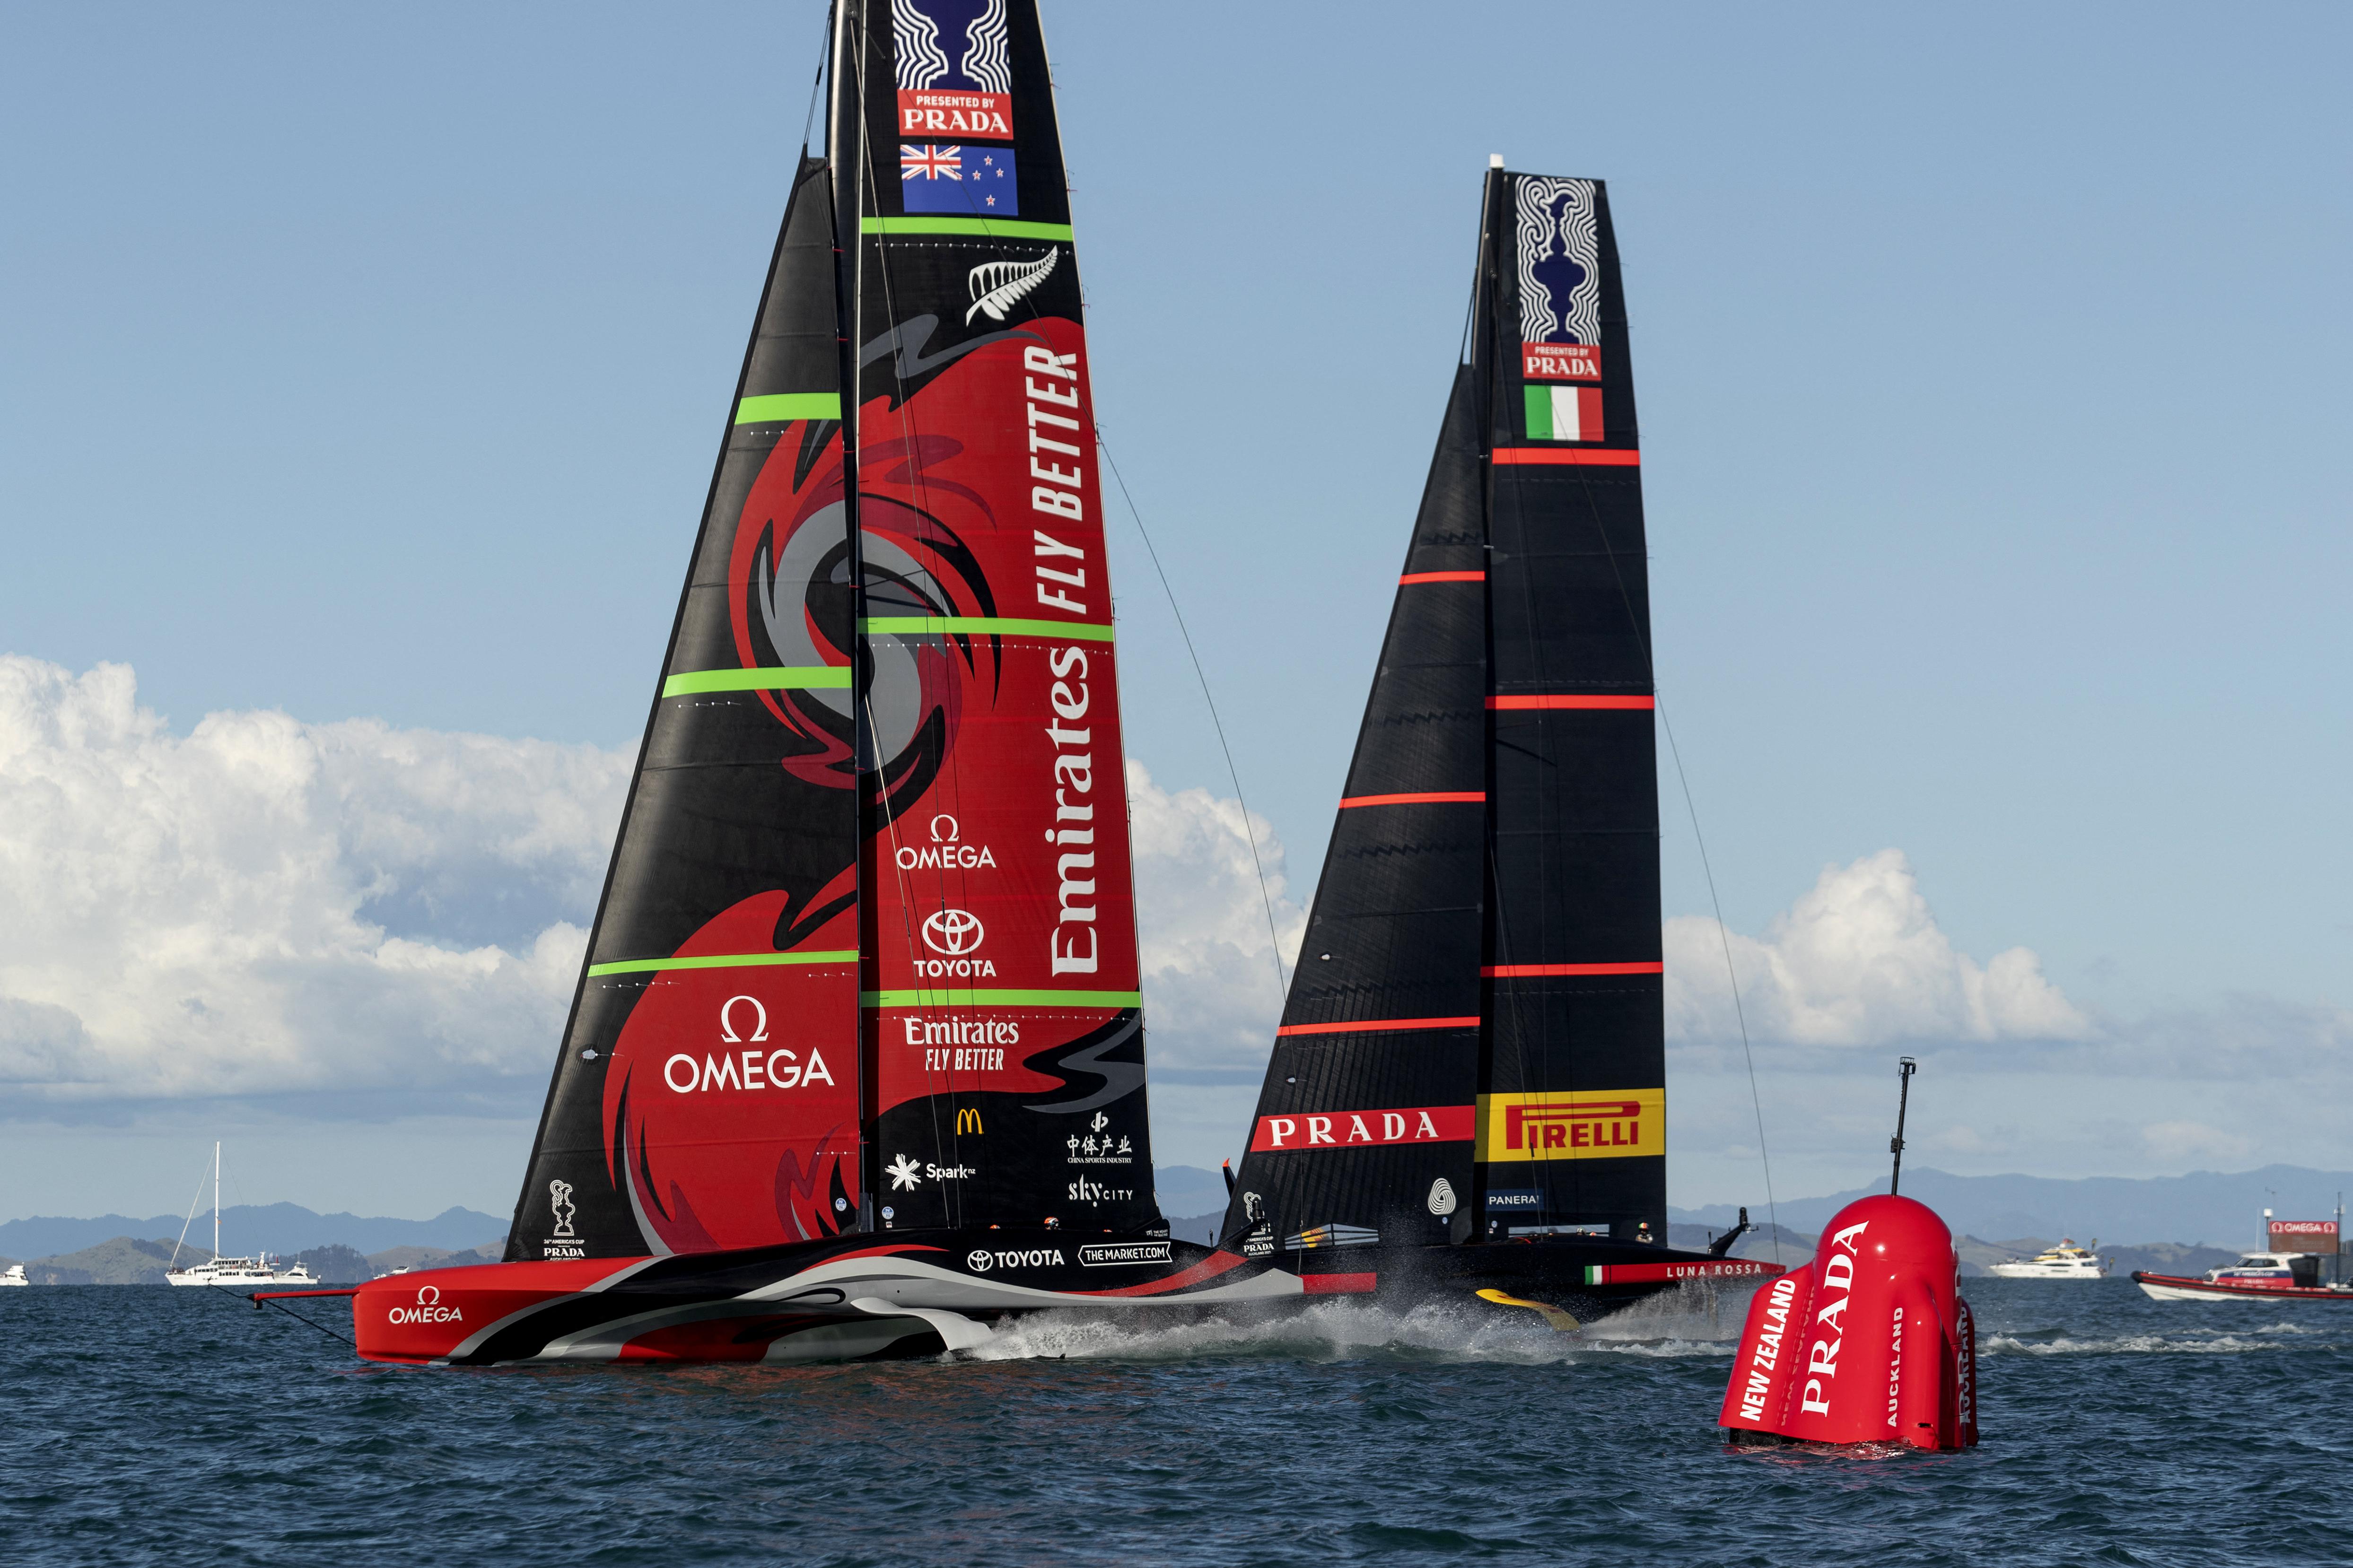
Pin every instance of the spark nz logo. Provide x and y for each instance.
(906, 1173)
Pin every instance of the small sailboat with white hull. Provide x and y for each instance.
(856, 1065)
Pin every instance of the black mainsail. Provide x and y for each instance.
(1473, 1042)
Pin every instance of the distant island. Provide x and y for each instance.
(2179, 1224)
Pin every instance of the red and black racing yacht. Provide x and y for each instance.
(856, 1066)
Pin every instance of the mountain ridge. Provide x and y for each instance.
(2210, 1208)
(283, 1228)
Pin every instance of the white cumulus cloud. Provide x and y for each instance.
(1858, 960)
(1211, 988)
(266, 906)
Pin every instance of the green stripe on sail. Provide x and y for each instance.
(985, 626)
(791, 676)
(1539, 413)
(960, 997)
(724, 961)
(990, 228)
(776, 405)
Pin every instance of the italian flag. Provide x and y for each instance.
(1564, 413)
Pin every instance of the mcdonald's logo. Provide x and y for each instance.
(968, 1121)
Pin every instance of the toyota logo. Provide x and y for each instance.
(976, 1260)
(952, 932)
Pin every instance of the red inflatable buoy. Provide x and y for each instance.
(1870, 1342)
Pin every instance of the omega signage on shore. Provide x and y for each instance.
(2301, 1235)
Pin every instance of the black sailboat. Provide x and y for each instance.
(1468, 1085)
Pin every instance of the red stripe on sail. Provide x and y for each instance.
(1608, 457)
(1432, 797)
(1531, 970)
(1573, 700)
(1412, 577)
(1372, 1023)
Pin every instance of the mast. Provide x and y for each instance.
(845, 140)
(216, 1200)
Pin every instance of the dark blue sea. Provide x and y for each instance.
(149, 1424)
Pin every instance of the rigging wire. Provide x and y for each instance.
(1266, 899)
(1723, 934)
(259, 1303)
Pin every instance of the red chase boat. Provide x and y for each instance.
(856, 1066)
(2263, 1276)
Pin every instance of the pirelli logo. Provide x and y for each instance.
(1612, 1125)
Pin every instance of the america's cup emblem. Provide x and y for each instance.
(559, 1198)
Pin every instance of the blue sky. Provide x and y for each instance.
(369, 364)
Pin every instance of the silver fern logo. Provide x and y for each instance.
(997, 286)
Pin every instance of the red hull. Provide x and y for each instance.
(2261, 1289)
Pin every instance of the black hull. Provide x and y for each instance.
(923, 1292)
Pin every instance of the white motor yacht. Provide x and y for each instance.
(15, 1275)
(2064, 1261)
(244, 1273)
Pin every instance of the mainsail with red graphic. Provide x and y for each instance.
(1473, 1045)
(866, 955)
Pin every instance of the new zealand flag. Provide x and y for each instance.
(975, 180)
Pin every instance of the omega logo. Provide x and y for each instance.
(759, 1020)
(951, 835)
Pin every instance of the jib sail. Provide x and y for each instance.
(707, 1093)
(866, 954)
(1473, 1041)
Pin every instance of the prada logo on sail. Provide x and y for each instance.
(1363, 1129)
(1560, 362)
(1557, 1126)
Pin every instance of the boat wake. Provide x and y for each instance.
(1682, 1322)
(2058, 1341)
